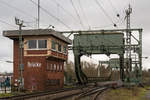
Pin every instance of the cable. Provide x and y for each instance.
(101, 8)
(105, 26)
(7, 23)
(51, 15)
(28, 23)
(117, 14)
(65, 10)
(19, 10)
(115, 10)
(84, 13)
(77, 13)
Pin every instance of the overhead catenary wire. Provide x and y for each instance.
(121, 20)
(101, 8)
(17, 9)
(28, 25)
(114, 8)
(84, 14)
(51, 15)
(13, 26)
(4, 22)
(65, 10)
(77, 13)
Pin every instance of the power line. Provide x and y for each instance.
(84, 13)
(115, 10)
(65, 10)
(77, 13)
(51, 15)
(104, 26)
(19, 10)
(38, 14)
(101, 8)
(4, 22)
(7, 23)
(28, 25)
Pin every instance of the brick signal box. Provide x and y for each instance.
(44, 54)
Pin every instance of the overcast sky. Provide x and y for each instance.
(76, 15)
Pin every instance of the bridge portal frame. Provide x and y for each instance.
(136, 48)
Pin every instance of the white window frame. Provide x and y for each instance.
(37, 46)
(28, 44)
(55, 67)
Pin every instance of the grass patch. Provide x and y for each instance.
(6, 94)
(135, 93)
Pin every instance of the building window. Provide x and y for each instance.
(37, 44)
(51, 67)
(47, 67)
(65, 49)
(42, 44)
(55, 67)
(60, 67)
(59, 47)
(58, 82)
(53, 45)
(32, 44)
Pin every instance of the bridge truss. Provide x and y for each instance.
(110, 42)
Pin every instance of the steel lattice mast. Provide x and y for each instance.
(128, 41)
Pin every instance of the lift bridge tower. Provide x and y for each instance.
(126, 43)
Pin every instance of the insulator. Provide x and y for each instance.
(53, 27)
(118, 15)
(115, 25)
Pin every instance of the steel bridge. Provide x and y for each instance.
(110, 42)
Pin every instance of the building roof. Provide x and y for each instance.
(36, 32)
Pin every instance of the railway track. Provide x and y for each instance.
(75, 93)
(38, 94)
(95, 96)
(90, 92)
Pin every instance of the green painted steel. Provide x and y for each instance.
(114, 63)
(112, 41)
(99, 43)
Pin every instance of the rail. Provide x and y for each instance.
(78, 92)
(98, 79)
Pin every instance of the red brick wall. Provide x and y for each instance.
(59, 55)
(56, 74)
(36, 77)
(16, 61)
(36, 51)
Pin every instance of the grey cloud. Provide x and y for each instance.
(96, 17)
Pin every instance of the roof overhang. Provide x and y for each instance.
(13, 34)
